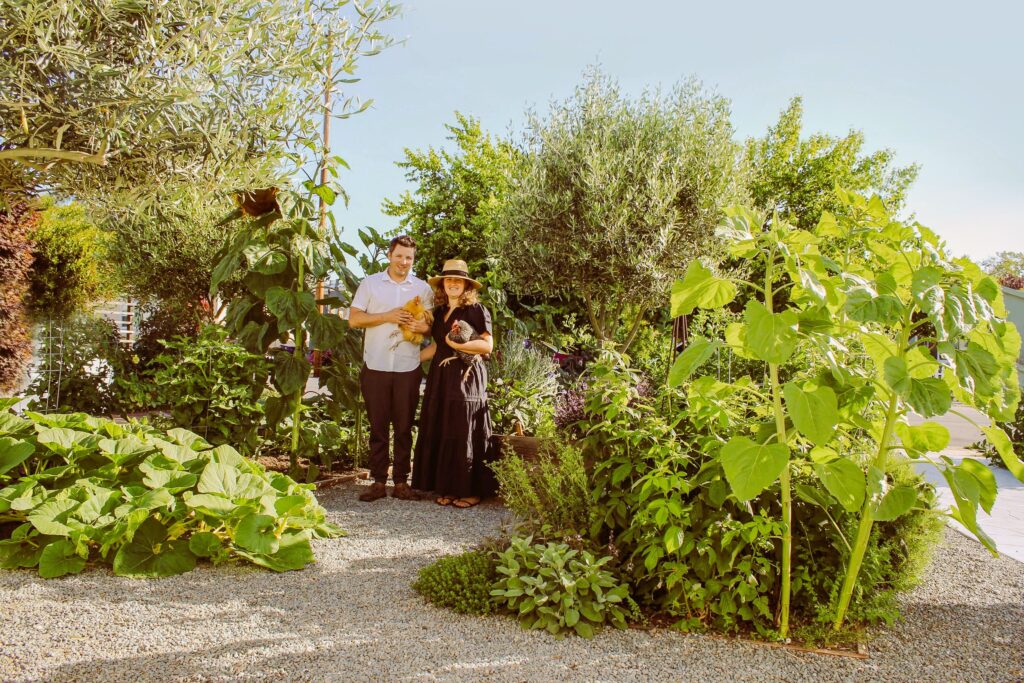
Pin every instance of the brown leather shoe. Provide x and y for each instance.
(375, 492)
(404, 492)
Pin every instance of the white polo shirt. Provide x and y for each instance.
(378, 293)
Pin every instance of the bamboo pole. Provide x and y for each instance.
(317, 358)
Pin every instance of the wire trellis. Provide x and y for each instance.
(51, 363)
(51, 347)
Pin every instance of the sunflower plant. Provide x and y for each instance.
(870, 302)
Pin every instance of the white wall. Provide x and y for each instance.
(1015, 312)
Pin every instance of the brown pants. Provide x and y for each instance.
(391, 400)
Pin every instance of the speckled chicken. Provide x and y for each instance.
(463, 332)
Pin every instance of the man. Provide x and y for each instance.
(391, 374)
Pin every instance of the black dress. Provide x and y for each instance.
(454, 442)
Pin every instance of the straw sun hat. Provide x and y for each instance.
(454, 268)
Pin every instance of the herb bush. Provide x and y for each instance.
(686, 549)
(162, 320)
(136, 389)
(570, 409)
(78, 490)
(560, 589)
(549, 495)
(651, 347)
(459, 582)
(522, 388)
(213, 387)
(897, 555)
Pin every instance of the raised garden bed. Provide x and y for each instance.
(326, 479)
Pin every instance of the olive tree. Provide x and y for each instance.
(104, 97)
(616, 195)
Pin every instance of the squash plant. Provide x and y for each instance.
(76, 489)
(282, 254)
(868, 302)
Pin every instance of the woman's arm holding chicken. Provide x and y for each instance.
(478, 347)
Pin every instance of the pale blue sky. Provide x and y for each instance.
(941, 85)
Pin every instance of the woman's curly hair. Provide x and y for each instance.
(467, 298)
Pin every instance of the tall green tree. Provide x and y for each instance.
(164, 259)
(168, 255)
(452, 210)
(797, 176)
(71, 267)
(101, 97)
(1007, 267)
(616, 195)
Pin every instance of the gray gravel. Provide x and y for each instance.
(353, 616)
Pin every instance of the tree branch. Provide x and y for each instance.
(636, 328)
(593, 319)
(19, 153)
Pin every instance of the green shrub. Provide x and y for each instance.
(135, 388)
(162, 320)
(459, 582)
(76, 489)
(897, 556)
(651, 348)
(687, 548)
(71, 267)
(213, 387)
(550, 494)
(325, 434)
(691, 550)
(557, 588)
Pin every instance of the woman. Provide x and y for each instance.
(454, 442)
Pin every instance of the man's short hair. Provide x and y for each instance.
(401, 241)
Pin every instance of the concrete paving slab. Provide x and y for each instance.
(1006, 523)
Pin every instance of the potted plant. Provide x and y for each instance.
(521, 394)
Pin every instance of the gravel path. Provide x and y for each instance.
(353, 616)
